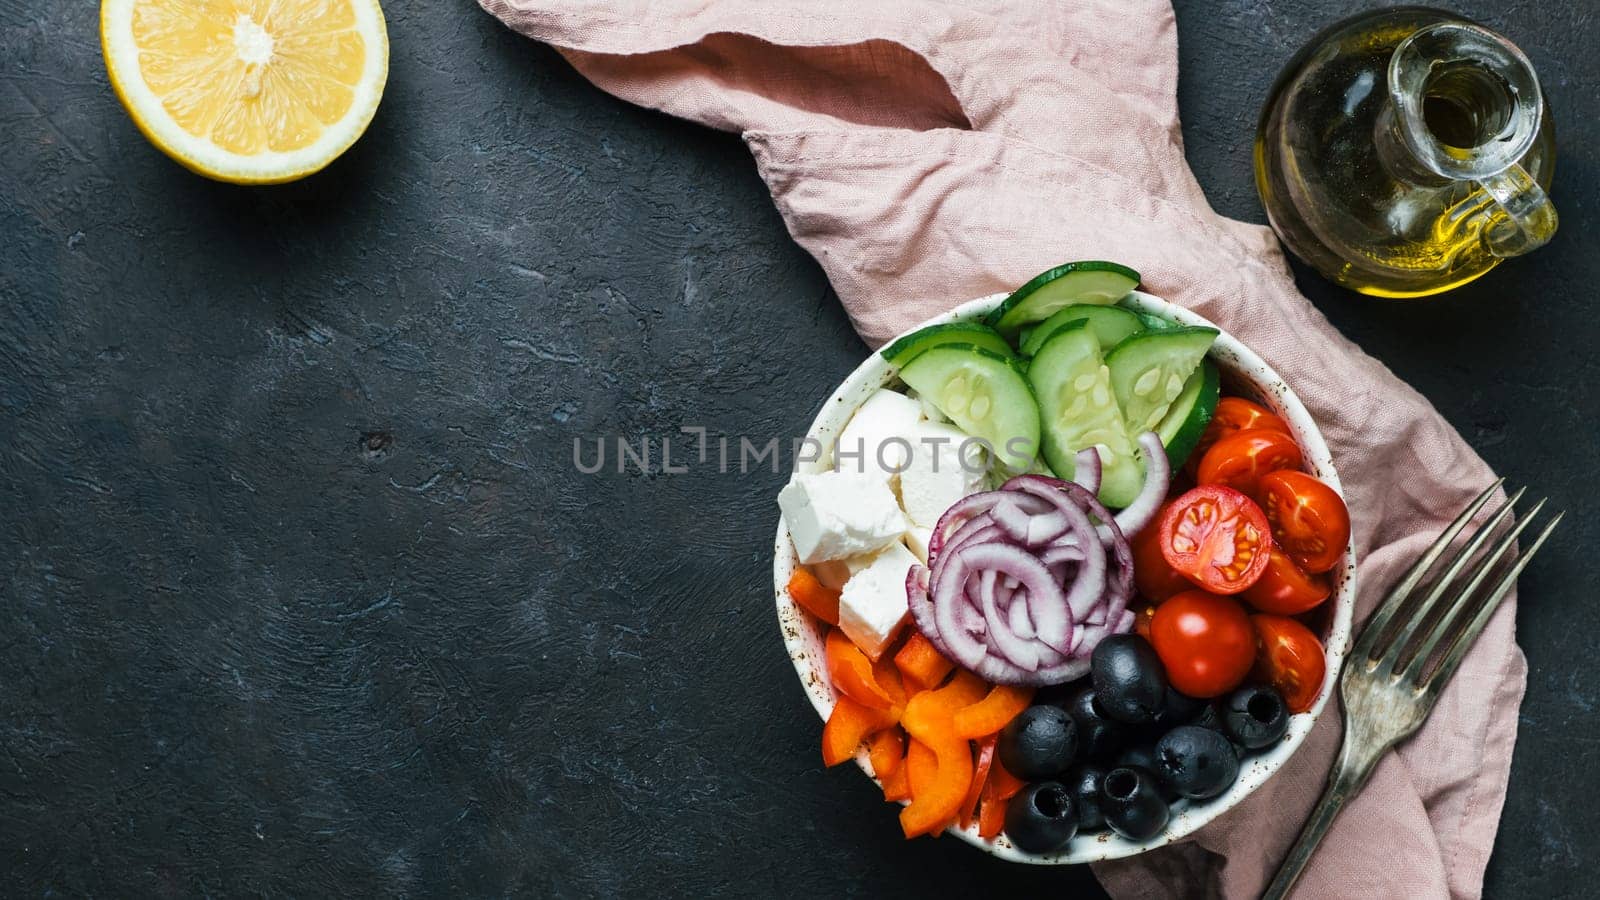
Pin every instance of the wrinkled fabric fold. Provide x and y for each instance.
(927, 152)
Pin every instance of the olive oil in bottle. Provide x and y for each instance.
(1405, 152)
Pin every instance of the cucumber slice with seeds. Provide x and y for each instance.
(977, 334)
(1149, 370)
(1186, 421)
(984, 394)
(1077, 409)
(1111, 325)
(1089, 282)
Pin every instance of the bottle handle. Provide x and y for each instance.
(1529, 219)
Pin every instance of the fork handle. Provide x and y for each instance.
(1354, 767)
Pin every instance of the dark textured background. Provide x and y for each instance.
(299, 593)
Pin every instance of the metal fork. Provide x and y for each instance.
(1388, 685)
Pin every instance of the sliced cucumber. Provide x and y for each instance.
(976, 334)
(1111, 325)
(1148, 371)
(1186, 421)
(1089, 282)
(1077, 409)
(984, 394)
(1153, 322)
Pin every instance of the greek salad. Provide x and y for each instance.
(1066, 581)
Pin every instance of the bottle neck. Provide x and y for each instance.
(1463, 104)
(1402, 163)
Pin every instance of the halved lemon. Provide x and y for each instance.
(248, 91)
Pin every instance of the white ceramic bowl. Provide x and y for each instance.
(1243, 373)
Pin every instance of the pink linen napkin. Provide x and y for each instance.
(927, 152)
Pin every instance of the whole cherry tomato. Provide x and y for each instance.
(1216, 537)
(1152, 574)
(1290, 658)
(1285, 588)
(1309, 519)
(1236, 414)
(1240, 459)
(1205, 643)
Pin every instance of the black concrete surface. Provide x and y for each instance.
(300, 593)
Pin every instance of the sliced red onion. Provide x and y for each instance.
(1021, 624)
(1086, 469)
(1157, 478)
(1061, 553)
(1012, 519)
(1022, 653)
(1026, 580)
(949, 603)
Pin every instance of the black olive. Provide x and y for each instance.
(1099, 736)
(1209, 718)
(1177, 709)
(1255, 716)
(1083, 782)
(1042, 818)
(1039, 743)
(1199, 763)
(1129, 680)
(1143, 756)
(1132, 804)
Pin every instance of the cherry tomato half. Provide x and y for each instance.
(1236, 414)
(1309, 519)
(1205, 643)
(1152, 574)
(1240, 459)
(1285, 588)
(1290, 658)
(1216, 537)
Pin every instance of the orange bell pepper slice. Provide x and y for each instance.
(897, 786)
(980, 778)
(922, 767)
(991, 714)
(848, 725)
(929, 719)
(851, 672)
(887, 750)
(887, 677)
(813, 596)
(921, 662)
(997, 794)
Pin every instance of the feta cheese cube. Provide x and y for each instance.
(833, 573)
(832, 515)
(872, 605)
(935, 477)
(917, 539)
(874, 441)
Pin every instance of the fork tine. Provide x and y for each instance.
(1462, 599)
(1401, 591)
(1396, 646)
(1463, 642)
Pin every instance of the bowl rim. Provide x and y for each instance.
(802, 638)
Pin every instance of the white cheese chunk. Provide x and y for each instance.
(834, 573)
(875, 441)
(833, 515)
(917, 539)
(872, 605)
(935, 477)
